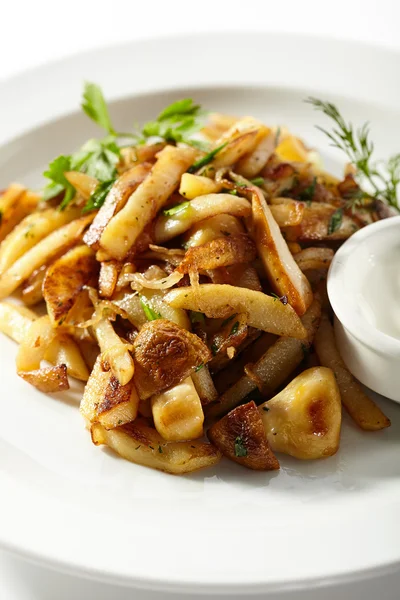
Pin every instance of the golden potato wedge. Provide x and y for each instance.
(118, 196)
(177, 412)
(250, 165)
(106, 401)
(15, 320)
(33, 347)
(108, 277)
(221, 301)
(304, 419)
(221, 252)
(360, 407)
(167, 227)
(287, 213)
(196, 185)
(204, 385)
(83, 183)
(235, 148)
(32, 289)
(131, 304)
(49, 247)
(114, 351)
(212, 228)
(132, 156)
(15, 204)
(315, 223)
(314, 258)
(140, 444)
(63, 350)
(30, 231)
(65, 279)
(122, 231)
(47, 379)
(282, 270)
(272, 369)
(164, 355)
(240, 436)
(155, 300)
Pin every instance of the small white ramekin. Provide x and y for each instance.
(371, 355)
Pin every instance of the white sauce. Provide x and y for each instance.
(380, 293)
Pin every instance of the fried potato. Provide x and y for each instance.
(315, 225)
(108, 277)
(131, 157)
(33, 347)
(234, 150)
(47, 379)
(204, 385)
(15, 204)
(83, 183)
(314, 258)
(272, 369)
(166, 227)
(124, 228)
(32, 289)
(360, 407)
(15, 321)
(240, 275)
(304, 419)
(106, 401)
(155, 299)
(30, 231)
(212, 228)
(250, 165)
(65, 279)
(221, 301)
(221, 252)
(177, 412)
(282, 270)
(63, 350)
(164, 355)
(140, 444)
(287, 213)
(50, 246)
(131, 305)
(240, 436)
(196, 185)
(116, 199)
(114, 351)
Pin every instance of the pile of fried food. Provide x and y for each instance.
(193, 301)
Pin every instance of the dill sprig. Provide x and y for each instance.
(381, 177)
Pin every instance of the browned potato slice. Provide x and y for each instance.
(304, 419)
(123, 230)
(108, 277)
(133, 156)
(315, 224)
(177, 412)
(64, 351)
(249, 166)
(47, 379)
(221, 252)
(52, 245)
(140, 444)
(15, 321)
(361, 407)
(106, 401)
(282, 270)
(118, 196)
(204, 385)
(15, 204)
(235, 149)
(240, 275)
(167, 227)
(241, 437)
(32, 289)
(164, 355)
(30, 231)
(114, 351)
(83, 183)
(272, 369)
(212, 228)
(65, 279)
(314, 258)
(197, 185)
(33, 347)
(221, 301)
(288, 213)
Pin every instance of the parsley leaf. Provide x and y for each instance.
(151, 315)
(94, 105)
(59, 183)
(98, 196)
(174, 210)
(196, 317)
(335, 221)
(200, 366)
(235, 328)
(240, 448)
(308, 193)
(202, 162)
(258, 181)
(178, 122)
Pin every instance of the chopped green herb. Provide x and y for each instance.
(178, 208)
(308, 193)
(283, 299)
(160, 449)
(199, 367)
(137, 447)
(98, 196)
(240, 448)
(227, 320)
(335, 221)
(214, 348)
(59, 183)
(152, 447)
(94, 105)
(178, 122)
(119, 422)
(202, 162)
(257, 181)
(197, 317)
(151, 314)
(265, 408)
(233, 192)
(235, 328)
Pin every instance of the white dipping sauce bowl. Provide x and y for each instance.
(371, 355)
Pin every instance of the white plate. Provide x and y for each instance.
(76, 507)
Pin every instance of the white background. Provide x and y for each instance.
(36, 31)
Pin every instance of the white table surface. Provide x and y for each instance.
(36, 31)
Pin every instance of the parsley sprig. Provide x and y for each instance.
(382, 178)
